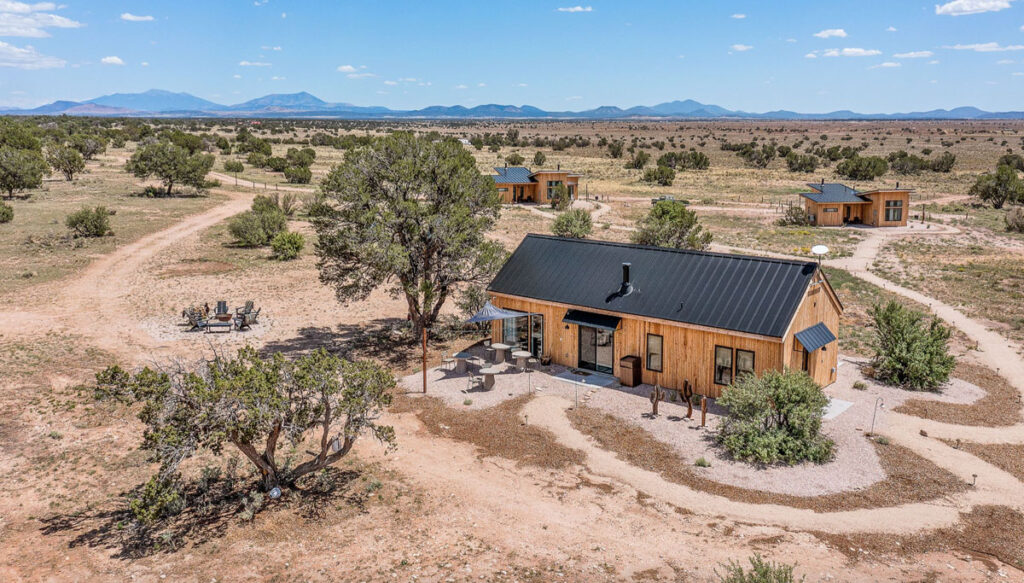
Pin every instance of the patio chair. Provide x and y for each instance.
(196, 319)
(245, 321)
(222, 307)
(474, 382)
(245, 309)
(448, 362)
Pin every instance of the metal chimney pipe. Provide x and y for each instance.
(625, 273)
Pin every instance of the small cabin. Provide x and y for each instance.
(834, 205)
(675, 315)
(519, 184)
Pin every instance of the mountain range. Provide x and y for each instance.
(159, 103)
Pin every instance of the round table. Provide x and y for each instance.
(521, 356)
(499, 351)
(461, 358)
(489, 373)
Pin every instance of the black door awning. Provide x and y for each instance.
(591, 319)
(815, 337)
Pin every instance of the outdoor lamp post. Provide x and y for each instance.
(879, 404)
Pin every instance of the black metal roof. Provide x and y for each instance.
(741, 293)
(833, 192)
(815, 337)
(512, 175)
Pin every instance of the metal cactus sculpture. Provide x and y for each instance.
(657, 395)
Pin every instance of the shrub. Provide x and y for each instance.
(277, 163)
(944, 163)
(1014, 219)
(909, 353)
(256, 229)
(1000, 188)
(560, 199)
(670, 224)
(89, 222)
(860, 385)
(761, 571)
(515, 159)
(702, 463)
(233, 166)
(795, 216)
(539, 159)
(287, 245)
(575, 223)
(775, 418)
(298, 174)
(256, 160)
(863, 168)
(662, 175)
(6, 213)
(639, 160)
(801, 162)
(901, 162)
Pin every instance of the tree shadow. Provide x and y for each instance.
(211, 509)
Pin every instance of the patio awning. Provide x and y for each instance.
(815, 337)
(591, 319)
(490, 312)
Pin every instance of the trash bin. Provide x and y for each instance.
(629, 371)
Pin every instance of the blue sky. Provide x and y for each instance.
(868, 56)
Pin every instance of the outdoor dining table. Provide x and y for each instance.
(461, 360)
(521, 356)
(499, 351)
(489, 373)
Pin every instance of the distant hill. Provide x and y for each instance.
(156, 100)
(160, 103)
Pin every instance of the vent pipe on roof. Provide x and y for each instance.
(823, 182)
(897, 185)
(625, 288)
(625, 273)
(506, 165)
(559, 166)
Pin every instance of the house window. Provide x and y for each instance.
(744, 362)
(654, 352)
(723, 365)
(552, 185)
(503, 190)
(894, 210)
(831, 209)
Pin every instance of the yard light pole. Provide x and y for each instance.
(879, 404)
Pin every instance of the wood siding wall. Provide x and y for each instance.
(688, 353)
(820, 304)
(536, 191)
(876, 214)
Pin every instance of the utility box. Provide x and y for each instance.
(630, 374)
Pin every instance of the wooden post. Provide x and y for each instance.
(703, 411)
(424, 360)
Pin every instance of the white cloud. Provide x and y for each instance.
(962, 7)
(914, 55)
(144, 64)
(791, 40)
(521, 85)
(850, 52)
(886, 65)
(363, 75)
(576, 9)
(284, 15)
(270, 48)
(810, 56)
(112, 60)
(741, 48)
(986, 47)
(1004, 62)
(1017, 74)
(135, 18)
(933, 62)
(574, 98)
(391, 82)
(26, 58)
(253, 64)
(738, 16)
(29, 20)
(891, 29)
(237, 76)
(460, 86)
(346, 69)
(831, 32)
(481, 84)
(276, 78)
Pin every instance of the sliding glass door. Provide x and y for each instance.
(596, 349)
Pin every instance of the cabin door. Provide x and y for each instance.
(597, 349)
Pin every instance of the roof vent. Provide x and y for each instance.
(823, 182)
(558, 166)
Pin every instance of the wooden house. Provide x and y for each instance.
(520, 184)
(677, 315)
(834, 205)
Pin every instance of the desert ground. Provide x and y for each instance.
(542, 478)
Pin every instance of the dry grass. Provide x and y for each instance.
(998, 408)
(496, 431)
(910, 477)
(987, 533)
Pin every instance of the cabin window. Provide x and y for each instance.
(744, 362)
(831, 209)
(894, 210)
(723, 365)
(503, 190)
(654, 352)
(552, 185)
